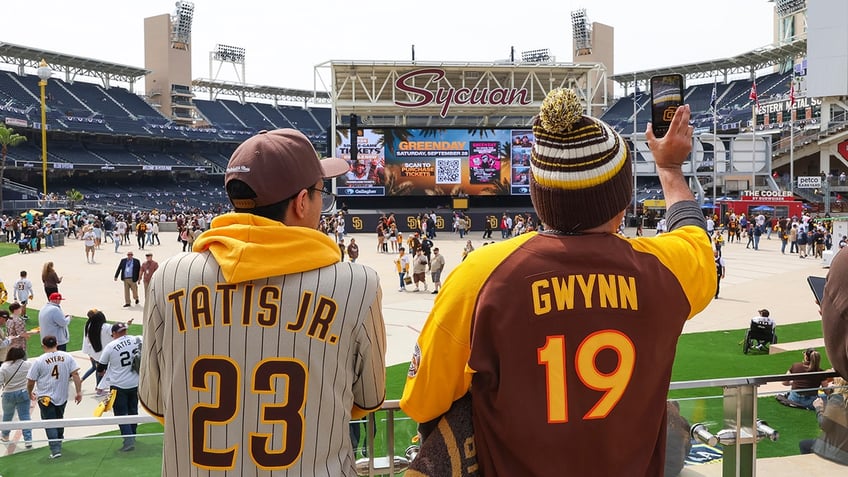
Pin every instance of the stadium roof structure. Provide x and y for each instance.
(70, 65)
(744, 63)
(243, 90)
(446, 93)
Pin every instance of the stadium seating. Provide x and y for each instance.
(248, 115)
(11, 86)
(300, 118)
(272, 113)
(216, 113)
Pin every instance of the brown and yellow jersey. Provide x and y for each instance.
(566, 343)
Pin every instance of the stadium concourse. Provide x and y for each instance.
(754, 280)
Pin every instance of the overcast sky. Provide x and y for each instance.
(284, 40)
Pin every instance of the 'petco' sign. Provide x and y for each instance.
(809, 182)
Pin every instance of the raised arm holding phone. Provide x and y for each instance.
(539, 321)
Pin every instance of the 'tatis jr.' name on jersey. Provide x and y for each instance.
(246, 304)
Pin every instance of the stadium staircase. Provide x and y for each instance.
(18, 187)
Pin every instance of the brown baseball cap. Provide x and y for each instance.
(277, 165)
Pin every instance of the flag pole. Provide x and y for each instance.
(633, 152)
(753, 136)
(715, 133)
(792, 134)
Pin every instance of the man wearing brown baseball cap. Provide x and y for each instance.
(263, 294)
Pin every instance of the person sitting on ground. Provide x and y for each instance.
(804, 389)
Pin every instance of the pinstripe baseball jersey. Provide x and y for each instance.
(566, 344)
(255, 355)
(51, 373)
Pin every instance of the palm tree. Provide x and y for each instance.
(7, 138)
(73, 197)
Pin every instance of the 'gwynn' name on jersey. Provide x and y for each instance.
(597, 290)
(315, 315)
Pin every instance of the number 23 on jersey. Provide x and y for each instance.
(225, 408)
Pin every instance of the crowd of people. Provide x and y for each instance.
(806, 235)
(471, 354)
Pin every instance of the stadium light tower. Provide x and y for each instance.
(44, 72)
(227, 54)
(541, 55)
(582, 32)
(181, 22)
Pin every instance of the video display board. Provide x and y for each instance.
(440, 162)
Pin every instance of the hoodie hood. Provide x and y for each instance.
(248, 247)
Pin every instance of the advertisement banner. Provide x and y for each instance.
(367, 174)
(522, 146)
(437, 162)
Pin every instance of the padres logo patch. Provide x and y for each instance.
(414, 362)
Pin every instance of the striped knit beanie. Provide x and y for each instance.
(580, 170)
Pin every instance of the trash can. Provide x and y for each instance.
(58, 237)
(827, 258)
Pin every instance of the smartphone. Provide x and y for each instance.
(817, 285)
(666, 96)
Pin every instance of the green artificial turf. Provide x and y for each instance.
(716, 354)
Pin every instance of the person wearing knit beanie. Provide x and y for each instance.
(581, 173)
(567, 335)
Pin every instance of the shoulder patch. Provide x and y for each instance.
(414, 362)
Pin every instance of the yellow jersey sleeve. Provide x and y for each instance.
(687, 252)
(439, 373)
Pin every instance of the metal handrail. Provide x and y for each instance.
(391, 464)
(747, 381)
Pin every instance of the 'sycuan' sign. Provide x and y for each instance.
(447, 97)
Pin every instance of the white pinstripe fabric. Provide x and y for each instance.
(351, 371)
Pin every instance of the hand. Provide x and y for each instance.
(818, 404)
(78, 397)
(671, 151)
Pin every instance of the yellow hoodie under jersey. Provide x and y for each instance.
(244, 245)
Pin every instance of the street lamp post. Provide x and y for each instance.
(44, 72)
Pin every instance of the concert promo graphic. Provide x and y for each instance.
(440, 162)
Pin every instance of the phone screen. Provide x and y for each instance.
(817, 285)
(666, 96)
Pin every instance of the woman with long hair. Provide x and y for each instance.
(97, 334)
(805, 390)
(51, 279)
(13, 381)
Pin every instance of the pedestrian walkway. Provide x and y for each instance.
(754, 280)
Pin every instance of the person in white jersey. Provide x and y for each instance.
(116, 360)
(47, 382)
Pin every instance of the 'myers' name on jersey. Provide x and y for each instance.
(447, 97)
(315, 315)
(585, 291)
(57, 358)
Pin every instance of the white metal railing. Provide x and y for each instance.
(740, 419)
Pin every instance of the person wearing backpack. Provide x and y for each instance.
(120, 360)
